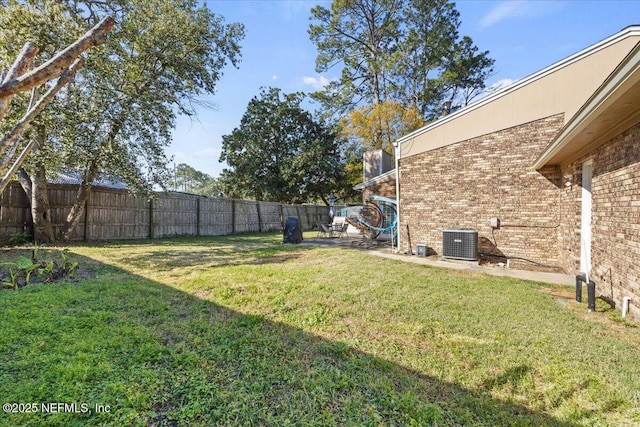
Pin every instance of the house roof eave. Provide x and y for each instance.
(633, 30)
(361, 186)
(610, 110)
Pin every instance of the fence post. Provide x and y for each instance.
(198, 216)
(151, 231)
(282, 215)
(312, 212)
(85, 237)
(299, 216)
(233, 216)
(259, 217)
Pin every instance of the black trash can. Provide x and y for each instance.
(292, 231)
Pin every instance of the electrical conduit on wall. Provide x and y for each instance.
(625, 306)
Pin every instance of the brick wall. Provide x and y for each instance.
(384, 187)
(569, 230)
(468, 183)
(615, 250)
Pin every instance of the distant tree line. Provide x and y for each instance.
(189, 180)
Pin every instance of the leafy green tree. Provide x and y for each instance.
(431, 33)
(362, 36)
(465, 76)
(401, 61)
(377, 126)
(407, 51)
(118, 114)
(280, 153)
(190, 180)
(20, 24)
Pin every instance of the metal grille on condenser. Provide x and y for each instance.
(460, 243)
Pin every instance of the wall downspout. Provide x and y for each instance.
(396, 146)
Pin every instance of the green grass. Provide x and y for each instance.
(242, 330)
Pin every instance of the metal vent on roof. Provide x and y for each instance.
(460, 243)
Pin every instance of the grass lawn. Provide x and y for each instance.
(243, 330)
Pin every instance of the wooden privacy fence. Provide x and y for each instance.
(116, 214)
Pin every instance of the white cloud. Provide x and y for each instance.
(317, 83)
(294, 9)
(178, 155)
(494, 87)
(274, 77)
(209, 152)
(514, 9)
(501, 84)
(501, 12)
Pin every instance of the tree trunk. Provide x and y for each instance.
(25, 182)
(35, 187)
(90, 174)
(40, 211)
(81, 198)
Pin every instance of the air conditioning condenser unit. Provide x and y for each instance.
(460, 243)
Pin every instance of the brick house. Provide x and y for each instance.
(555, 157)
(378, 175)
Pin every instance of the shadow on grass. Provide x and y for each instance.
(154, 355)
(249, 239)
(214, 252)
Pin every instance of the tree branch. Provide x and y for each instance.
(20, 65)
(12, 149)
(13, 137)
(59, 63)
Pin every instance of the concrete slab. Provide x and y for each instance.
(472, 266)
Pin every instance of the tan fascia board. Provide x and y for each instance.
(599, 100)
(632, 30)
(382, 177)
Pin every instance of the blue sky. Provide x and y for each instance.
(522, 36)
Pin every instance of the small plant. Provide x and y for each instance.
(20, 272)
(19, 238)
(27, 266)
(48, 271)
(35, 253)
(65, 256)
(23, 267)
(71, 268)
(67, 266)
(13, 275)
